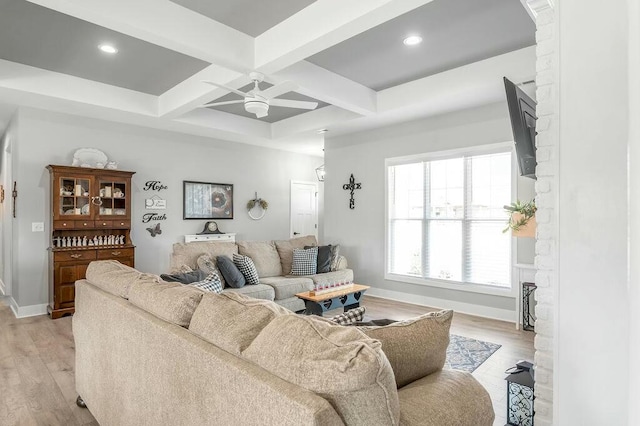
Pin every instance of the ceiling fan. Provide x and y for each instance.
(257, 101)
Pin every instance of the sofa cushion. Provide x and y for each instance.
(210, 284)
(171, 302)
(209, 265)
(232, 321)
(293, 304)
(258, 291)
(445, 398)
(188, 253)
(264, 256)
(415, 347)
(305, 261)
(285, 250)
(341, 364)
(115, 278)
(232, 275)
(343, 275)
(247, 268)
(286, 287)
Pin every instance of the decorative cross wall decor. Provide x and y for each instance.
(352, 186)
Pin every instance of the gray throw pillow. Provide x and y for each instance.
(185, 277)
(326, 257)
(230, 272)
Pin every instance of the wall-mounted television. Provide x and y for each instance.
(522, 111)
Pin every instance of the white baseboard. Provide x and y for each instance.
(27, 311)
(463, 308)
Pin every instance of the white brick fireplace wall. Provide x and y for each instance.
(546, 200)
(584, 254)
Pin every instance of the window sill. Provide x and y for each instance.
(454, 285)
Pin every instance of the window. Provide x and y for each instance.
(446, 218)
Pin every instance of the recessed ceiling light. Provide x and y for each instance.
(321, 131)
(107, 48)
(412, 40)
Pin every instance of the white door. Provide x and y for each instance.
(304, 209)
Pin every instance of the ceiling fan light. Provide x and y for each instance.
(320, 173)
(257, 107)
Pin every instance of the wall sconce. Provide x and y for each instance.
(320, 173)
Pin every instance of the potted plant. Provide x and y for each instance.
(522, 219)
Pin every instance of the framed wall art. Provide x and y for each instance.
(203, 200)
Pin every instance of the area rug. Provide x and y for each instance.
(467, 354)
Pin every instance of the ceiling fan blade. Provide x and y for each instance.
(230, 89)
(239, 101)
(279, 89)
(288, 103)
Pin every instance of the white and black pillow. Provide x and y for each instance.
(247, 267)
(212, 283)
(305, 261)
(350, 317)
(207, 264)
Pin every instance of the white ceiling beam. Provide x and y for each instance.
(230, 123)
(470, 81)
(192, 92)
(321, 25)
(311, 121)
(329, 87)
(165, 24)
(53, 85)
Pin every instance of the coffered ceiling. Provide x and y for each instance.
(347, 55)
(252, 17)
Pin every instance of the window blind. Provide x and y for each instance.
(446, 218)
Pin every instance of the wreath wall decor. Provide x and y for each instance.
(258, 205)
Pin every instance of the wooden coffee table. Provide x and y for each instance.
(349, 298)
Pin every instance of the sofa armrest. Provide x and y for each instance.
(342, 263)
(446, 397)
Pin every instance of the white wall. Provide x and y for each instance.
(360, 232)
(51, 138)
(634, 210)
(592, 304)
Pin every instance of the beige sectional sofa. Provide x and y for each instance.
(150, 352)
(273, 262)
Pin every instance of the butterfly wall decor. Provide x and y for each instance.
(155, 230)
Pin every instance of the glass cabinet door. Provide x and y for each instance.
(74, 196)
(114, 195)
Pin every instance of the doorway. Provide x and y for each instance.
(6, 217)
(304, 209)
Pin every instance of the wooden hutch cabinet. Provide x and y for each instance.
(91, 220)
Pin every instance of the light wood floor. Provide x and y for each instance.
(37, 355)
